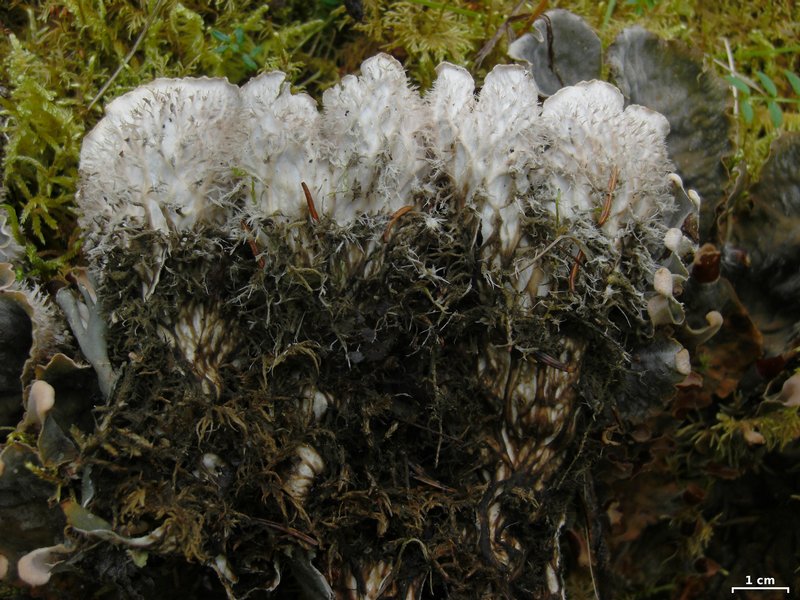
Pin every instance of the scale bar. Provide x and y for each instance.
(733, 589)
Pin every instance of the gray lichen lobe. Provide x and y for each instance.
(561, 49)
(667, 77)
(768, 277)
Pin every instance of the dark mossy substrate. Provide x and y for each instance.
(395, 346)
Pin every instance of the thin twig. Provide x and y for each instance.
(253, 245)
(612, 185)
(489, 46)
(397, 214)
(287, 530)
(147, 25)
(553, 362)
(751, 83)
(537, 12)
(587, 535)
(546, 249)
(573, 272)
(312, 210)
(732, 69)
(604, 215)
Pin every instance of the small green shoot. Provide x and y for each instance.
(642, 6)
(766, 94)
(612, 5)
(237, 44)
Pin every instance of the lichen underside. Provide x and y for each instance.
(397, 349)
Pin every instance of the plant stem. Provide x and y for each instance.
(612, 4)
(768, 53)
(128, 56)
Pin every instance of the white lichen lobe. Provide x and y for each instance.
(591, 137)
(176, 154)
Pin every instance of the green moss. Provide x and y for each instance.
(65, 59)
(774, 430)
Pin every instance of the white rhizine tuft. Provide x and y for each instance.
(309, 465)
(167, 156)
(203, 338)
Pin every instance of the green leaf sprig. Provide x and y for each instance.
(766, 93)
